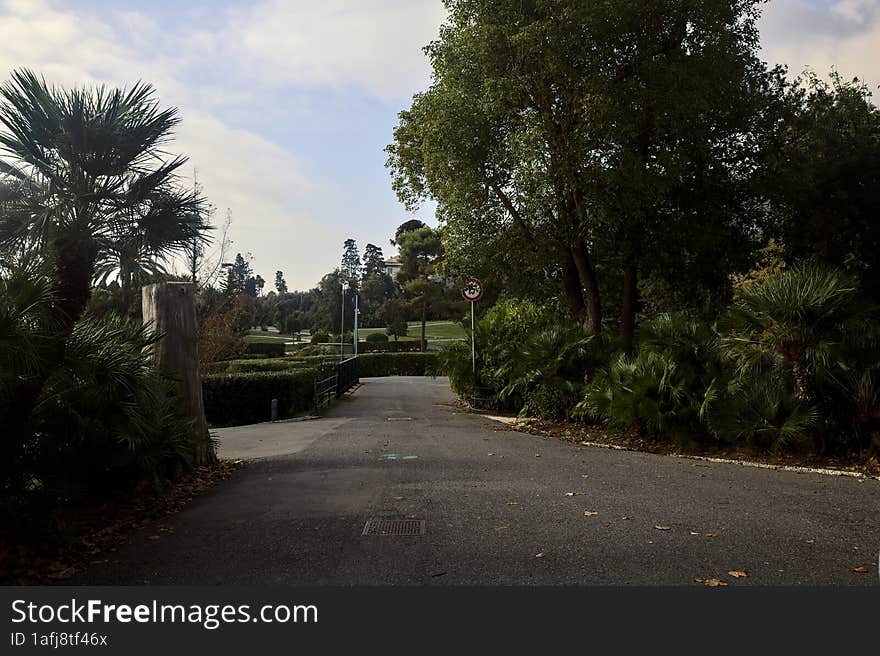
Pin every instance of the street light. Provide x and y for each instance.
(342, 325)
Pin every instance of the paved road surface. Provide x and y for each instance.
(492, 500)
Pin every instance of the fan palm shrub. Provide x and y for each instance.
(92, 164)
(665, 387)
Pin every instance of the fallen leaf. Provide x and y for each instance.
(590, 513)
(737, 574)
(502, 528)
(860, 569)
(539, 555)
(699, 581)
(572, 494)
(694, 533)
(711, 534)
(715, 583)
(490, 454)
(513, 503)
(663, 528)
(153, 537)
(63, 574)
(537, 455)
(811, 541)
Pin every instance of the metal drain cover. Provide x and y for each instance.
(381, 526)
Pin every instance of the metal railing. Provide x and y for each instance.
(346, 374)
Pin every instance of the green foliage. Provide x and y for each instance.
(83, 413)
(245, 398)
(319, 338)
(266, 349)
(664, 388)
(374, 365)
(373, 346)
(377, 338)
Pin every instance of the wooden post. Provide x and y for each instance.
(171, 309)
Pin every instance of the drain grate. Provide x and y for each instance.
(379, 526)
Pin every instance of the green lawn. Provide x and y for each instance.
(435, 331)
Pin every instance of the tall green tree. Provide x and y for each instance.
(237, 275)
(823, 179)
(420, 254)
(374, 260)
(351, 263)
(563, 139)
(280, 282)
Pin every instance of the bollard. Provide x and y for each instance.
(274, 409)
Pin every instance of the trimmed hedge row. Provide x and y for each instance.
(408, 346)
(266, 349)
(375, 365)
(233, 399)
(245, 366)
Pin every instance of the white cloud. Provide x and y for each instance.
(375, 46)
(844, 35)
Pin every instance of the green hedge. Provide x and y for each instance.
(246, 398)
(408, 346)
(245, 366)
(266, 349)
(374, 365)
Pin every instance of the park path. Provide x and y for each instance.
(499, 507)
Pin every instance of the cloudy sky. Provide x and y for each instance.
(287, 104)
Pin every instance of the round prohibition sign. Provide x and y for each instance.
(472, 290)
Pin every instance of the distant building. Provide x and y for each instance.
(392, 266)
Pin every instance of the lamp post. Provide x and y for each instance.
(356, 314)
(342, 325)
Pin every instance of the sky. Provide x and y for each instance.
(287, 105)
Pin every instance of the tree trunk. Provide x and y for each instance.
(592, 299)
(424, 321)
(74, 265)
(630, 306)
(172, 310)
(571, 287)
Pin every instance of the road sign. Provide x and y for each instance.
(472, 290)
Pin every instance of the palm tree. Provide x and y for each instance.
(93, 160)
(800, 319)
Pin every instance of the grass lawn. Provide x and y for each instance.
(435, 331)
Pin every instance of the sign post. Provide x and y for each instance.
(473, 292)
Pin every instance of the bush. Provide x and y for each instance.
(374, 365)
(378, 338)
(319, 338)
(246, 398)
(266, 350)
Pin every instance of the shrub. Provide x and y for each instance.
(266, 350)
(377, 337)
(246, 398)
(374, 365)
(319, 338)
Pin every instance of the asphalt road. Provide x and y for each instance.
(492, 501)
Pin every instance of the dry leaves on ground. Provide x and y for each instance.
(738, 574)
(861, 569)
(590, 513)
(663, 528)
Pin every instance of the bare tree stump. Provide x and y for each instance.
(171, 308)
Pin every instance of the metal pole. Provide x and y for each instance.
(356, 313)
(342, 327)
(473, 345)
